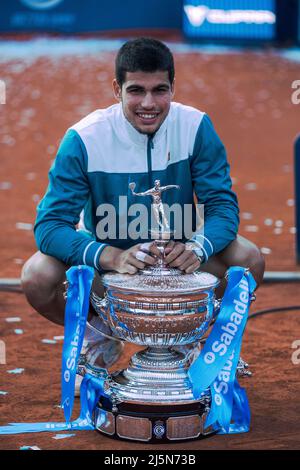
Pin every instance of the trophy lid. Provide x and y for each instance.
(175, 282)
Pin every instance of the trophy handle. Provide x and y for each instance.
(101, 306)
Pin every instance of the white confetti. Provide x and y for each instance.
(16, 371)
(287, 168)
(265, 251)
(279, 223)
(268, 222)
(8, 140)
(24, 226)
(63, 436)
(3, 393)
(51, 149)
(293, 230)
(18, 331)
(246, 215)
(251, 228)
(48, 341)
(278, 231)
(30, 176)
(36, 197)
(18, 261)
(13, 319)
(290, 202)
(4, 185)
(58, 338)
(251, 186)
(234, 180)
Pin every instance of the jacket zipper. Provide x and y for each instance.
(150, 146)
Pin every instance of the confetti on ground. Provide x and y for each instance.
(246, 215)
(30, 448)
(268, 222)
(3, 393)
(278, 231)
(287, 168)
(16, 371)
(18, 261)
(36, 197)
(251, 186)
(48, 341)
(13, 319)
(30, 176)
(4, 185)
(251, 228)
(18, 331)
(278, 223)
(51, 149)
(63, 436)
(58, 338)
(290, 202)
(24, 226)
(265, 251)
(293, 230)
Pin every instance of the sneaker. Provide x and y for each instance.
(98, 350)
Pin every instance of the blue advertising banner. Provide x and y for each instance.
(230, 19)
(89, 15)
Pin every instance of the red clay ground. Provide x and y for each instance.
(248, 96)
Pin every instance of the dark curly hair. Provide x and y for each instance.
(146, 55)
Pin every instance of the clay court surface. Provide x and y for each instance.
(248, 96)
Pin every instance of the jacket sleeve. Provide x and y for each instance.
(59, 211)
(212, 186)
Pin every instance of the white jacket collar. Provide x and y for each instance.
(128, 131)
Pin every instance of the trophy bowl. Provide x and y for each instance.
(158, 310)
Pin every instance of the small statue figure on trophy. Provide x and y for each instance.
(163, 234)
(157, 205)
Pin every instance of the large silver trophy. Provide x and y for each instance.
(162, 309)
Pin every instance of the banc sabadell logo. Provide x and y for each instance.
(41, 4)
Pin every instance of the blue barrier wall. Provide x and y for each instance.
(89, 15)
(230, 19)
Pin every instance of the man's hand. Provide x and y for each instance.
(128, 261)
(178, 256)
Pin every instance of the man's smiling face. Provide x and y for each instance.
(146, 99)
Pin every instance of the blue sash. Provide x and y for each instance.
(80, 281)
(215, 368)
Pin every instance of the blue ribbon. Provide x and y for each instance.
(76, 312)
(80, 280)
(216, 366)
(90, 391)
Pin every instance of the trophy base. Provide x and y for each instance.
(152, 400)
(153, 424)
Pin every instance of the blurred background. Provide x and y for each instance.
(237, 60)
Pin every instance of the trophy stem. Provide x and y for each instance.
(163, 356)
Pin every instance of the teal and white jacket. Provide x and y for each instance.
(101, 154)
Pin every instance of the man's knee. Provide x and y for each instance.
(41, 275)
(242, 252)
